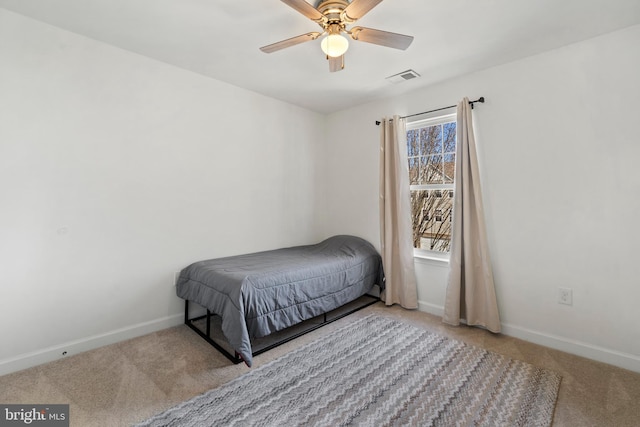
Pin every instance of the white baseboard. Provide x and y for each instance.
(50, 354)
(24, 361)
(426, 307)
(579, 348)
(590, 351)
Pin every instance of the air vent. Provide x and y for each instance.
(403, 76)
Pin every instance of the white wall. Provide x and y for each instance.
(559, 152)
(116, 171)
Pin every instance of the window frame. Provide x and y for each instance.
(445, 188)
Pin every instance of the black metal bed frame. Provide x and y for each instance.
(206, 335)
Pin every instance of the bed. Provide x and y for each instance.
(258, 294)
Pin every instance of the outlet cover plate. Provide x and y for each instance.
(565, 296)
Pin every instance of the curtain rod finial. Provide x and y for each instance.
(480, 100)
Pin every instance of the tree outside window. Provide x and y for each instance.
(431, 147)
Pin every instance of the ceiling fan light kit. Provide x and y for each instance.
(334, 16)
(334, 45)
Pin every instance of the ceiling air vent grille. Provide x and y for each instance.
(403, 76)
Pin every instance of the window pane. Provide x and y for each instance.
(431, 221)
(419, 212)
(431, 140)
(449, 138)
(431, 170)
(449, 167)
(414, 168)
(413, 139)
(424, 168)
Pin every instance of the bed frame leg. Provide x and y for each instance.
(207, 337)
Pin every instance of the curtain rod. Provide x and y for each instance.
(480, 100)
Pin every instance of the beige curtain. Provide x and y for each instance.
(395, 216)
(470, 292)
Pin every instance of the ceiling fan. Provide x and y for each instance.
(334, 16)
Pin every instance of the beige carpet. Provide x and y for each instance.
(128, 382)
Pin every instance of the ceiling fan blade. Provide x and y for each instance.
(383, 38)
(290, 42)
(306, 9)
(336, 63)
(358, 8)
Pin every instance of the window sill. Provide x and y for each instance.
(431, 258)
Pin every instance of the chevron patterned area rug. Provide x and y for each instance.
(378, 372)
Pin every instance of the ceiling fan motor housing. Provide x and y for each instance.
(333, 12)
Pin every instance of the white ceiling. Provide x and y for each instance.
(220, 39)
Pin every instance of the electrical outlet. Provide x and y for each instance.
(565, 296)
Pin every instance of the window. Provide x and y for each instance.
(431, 146)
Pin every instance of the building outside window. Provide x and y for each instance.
(431, 148)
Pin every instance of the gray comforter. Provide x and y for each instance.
(264, 292)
